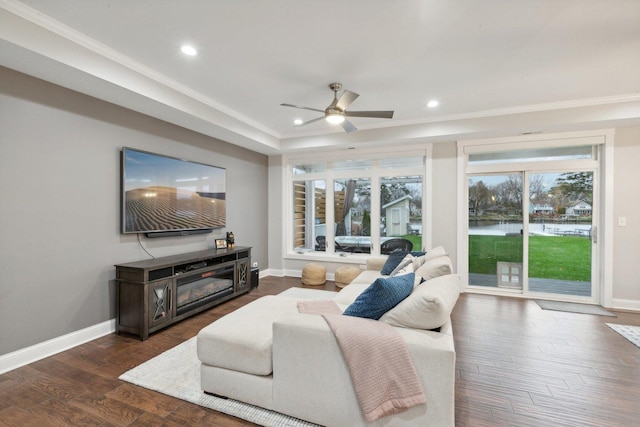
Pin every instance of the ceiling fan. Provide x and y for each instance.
(337, 113)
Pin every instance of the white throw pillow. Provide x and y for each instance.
(434, 268)
(409, 269)
(431, 254)
(406, 267)
(428, 306)
(418, 261)
(403, 264)
(436, 252)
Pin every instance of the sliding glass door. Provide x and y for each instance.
(549, 251)
(561, 233)
(495, 230)
(531, 210)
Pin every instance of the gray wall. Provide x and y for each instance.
(444, 189)
(276, 224)
(626, 243)
(60, 210)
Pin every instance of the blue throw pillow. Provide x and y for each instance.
(394, 259)
(381, 296)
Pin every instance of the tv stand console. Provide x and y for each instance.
(153, 294)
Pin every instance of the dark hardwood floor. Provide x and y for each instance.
(517, 365)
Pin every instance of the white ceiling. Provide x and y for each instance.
(497, 67)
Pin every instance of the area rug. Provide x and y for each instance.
(574, 307)
(176, 373)
(631, 333)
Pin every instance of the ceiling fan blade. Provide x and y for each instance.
(303, 108)
(348, 126)
(373, 114)
(309, 121)
(346, 99)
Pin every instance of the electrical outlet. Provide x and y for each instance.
(254, 265)
(622, 221)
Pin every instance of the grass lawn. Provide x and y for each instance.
(550, 257)
(416, 240)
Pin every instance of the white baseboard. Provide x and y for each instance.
(271, 272)
(293, 273)
(626, 304)
(22, 357)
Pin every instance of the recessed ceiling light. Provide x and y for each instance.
(297, 122)
(433, 103)
(189, 50)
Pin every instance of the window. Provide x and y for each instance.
(353, 206)
(303, 169)
(401, 209)
(533, 155)
(309, 214)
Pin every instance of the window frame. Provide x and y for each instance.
(375, 174)
(603, 139)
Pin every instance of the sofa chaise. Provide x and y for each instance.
(269, 355)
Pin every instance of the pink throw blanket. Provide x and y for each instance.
(381, 369)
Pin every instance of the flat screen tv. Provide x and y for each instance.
(167, 196)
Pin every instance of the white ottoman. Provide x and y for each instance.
(236, 351)
(242, 339)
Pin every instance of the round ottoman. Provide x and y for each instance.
(345, 274)
(314, 274)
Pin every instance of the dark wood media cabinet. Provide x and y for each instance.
(153, 294)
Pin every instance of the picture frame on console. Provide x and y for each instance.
(221, 244)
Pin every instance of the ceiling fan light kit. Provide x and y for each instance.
(336, 113)
(335, 118)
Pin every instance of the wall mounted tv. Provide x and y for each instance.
(165, 196)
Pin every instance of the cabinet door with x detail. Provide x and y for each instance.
(159, 302)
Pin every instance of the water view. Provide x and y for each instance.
(505, 228)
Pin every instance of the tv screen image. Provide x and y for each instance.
(162, 194)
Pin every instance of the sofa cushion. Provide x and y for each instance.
(376, 262)
(242, 340)
(407, 260)
(436, 252)
(381, 296)
(429, 305)
(418, 261)
(348, 294)
(395, 258)
(405, 267)
(429, 255)
(434, 268)
(366, 277)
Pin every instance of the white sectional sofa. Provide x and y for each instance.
(270, 355)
